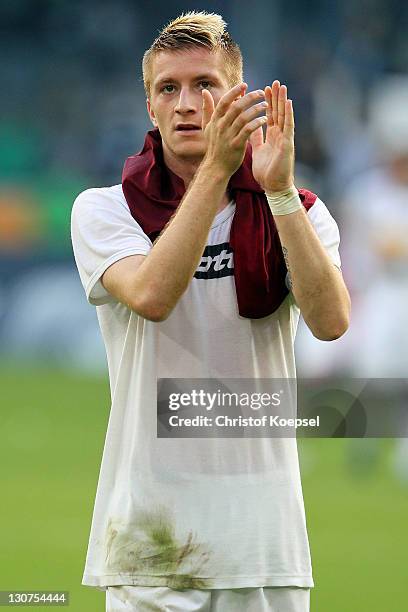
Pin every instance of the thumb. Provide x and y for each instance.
(208, 108)
(257, 138)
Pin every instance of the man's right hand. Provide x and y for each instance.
(228, 126)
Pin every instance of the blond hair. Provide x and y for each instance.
(196, 29)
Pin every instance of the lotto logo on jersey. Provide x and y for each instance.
(217, 261)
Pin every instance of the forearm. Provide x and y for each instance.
(170, 265)
(317, 285)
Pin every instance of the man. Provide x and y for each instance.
(203, 524)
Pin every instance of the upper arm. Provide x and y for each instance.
(103, 234)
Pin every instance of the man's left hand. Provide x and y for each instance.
(273, 158)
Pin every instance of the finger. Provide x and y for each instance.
(227, 99)
(257, 138)
(247, 130)
(282, 97)
(274, 95)
(208, 108)
(241, 105)
(289, 126)
(268, 98)
(246, 116)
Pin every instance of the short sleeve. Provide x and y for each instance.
(103, 231)
(327, 230)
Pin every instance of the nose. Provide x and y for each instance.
(186, 102)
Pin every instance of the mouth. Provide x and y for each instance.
(187, 127)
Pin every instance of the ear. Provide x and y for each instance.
(151, 112)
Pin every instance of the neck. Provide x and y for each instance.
(186, 169)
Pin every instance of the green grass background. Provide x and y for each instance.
(53, 427)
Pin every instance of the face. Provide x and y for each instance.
(175, 103)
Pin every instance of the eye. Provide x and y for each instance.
(205, 84)
(167, 89)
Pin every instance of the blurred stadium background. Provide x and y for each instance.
(72, 109)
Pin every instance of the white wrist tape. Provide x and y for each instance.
(284, 202)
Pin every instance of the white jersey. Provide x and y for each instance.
(189, 513)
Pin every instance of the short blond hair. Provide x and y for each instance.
(196, 29)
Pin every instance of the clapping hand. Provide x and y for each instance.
(273, 156)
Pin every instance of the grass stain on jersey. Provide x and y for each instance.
(148, 547)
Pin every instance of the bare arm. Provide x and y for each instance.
(152, 285)
(317, 284)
